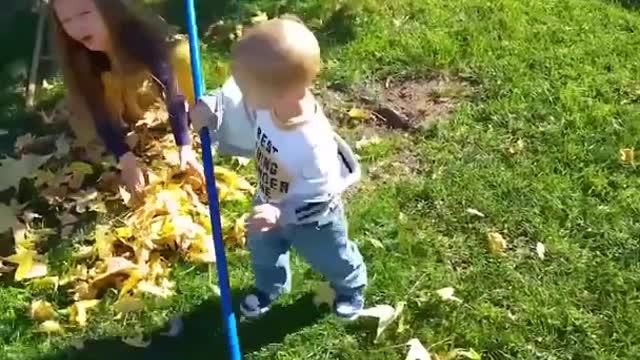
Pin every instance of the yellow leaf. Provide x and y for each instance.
(365, 142)
(80, 167)
(161, 292)
(136, 341)
(517, 147)
(627, 156)
(129, 304)
(130, 284)
(41, 311)
(358, 114)
(28, 267)
(43, 177)
(49, 283)
(497, 243)
(99, 207)
(84, 291)
(50, 327)
(417, 351)
(104, 241)
(78, 311)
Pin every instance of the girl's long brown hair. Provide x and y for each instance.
(129, 27)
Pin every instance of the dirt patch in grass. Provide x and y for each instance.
(406, 105)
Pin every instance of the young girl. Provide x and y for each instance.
(107, 50)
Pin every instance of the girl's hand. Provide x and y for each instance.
(263, 218)
(131, 174)
(188, 162)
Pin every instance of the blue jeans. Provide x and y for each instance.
(326, 247)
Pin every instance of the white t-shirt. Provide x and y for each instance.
(297, 162)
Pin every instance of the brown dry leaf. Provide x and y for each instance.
(627, 156)
(78, 311)
(66, 231)
(129, 304)
(14, 170)
(115, 266)
(23, 141)
(84, 291)
(84, 199)
(75, 181)
(67, 219)
(41, 311)
(132, 139)
(55, 194)
(50, 327)
(497, 243)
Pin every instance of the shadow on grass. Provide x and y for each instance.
(202, 337)
(628, 4)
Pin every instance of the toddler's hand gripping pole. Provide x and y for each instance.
(228, 317)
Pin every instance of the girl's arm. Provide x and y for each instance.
(153, 55)
(112, 138)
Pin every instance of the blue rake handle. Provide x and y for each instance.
(228, 317)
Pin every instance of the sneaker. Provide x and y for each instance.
(255, 305)
(348, 307)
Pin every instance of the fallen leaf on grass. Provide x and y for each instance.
(540, 250)
(497, 243)
(358, 114)
(376, 243)
(468, 354)
(50, 327)
(627, 156)
(385, 314)
(417, 351)
(78, 311)
(446, 294)
(41, 311)
(324, 295)
(364, 142)
(13, 170)
(3, 132)
(517, 147)
(28, 263)
(129, 304)
(475, 212)
(136, 341)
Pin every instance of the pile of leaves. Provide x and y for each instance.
(129, 253)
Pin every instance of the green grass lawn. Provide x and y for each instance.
(535, 148)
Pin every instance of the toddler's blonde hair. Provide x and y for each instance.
(277, 55)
